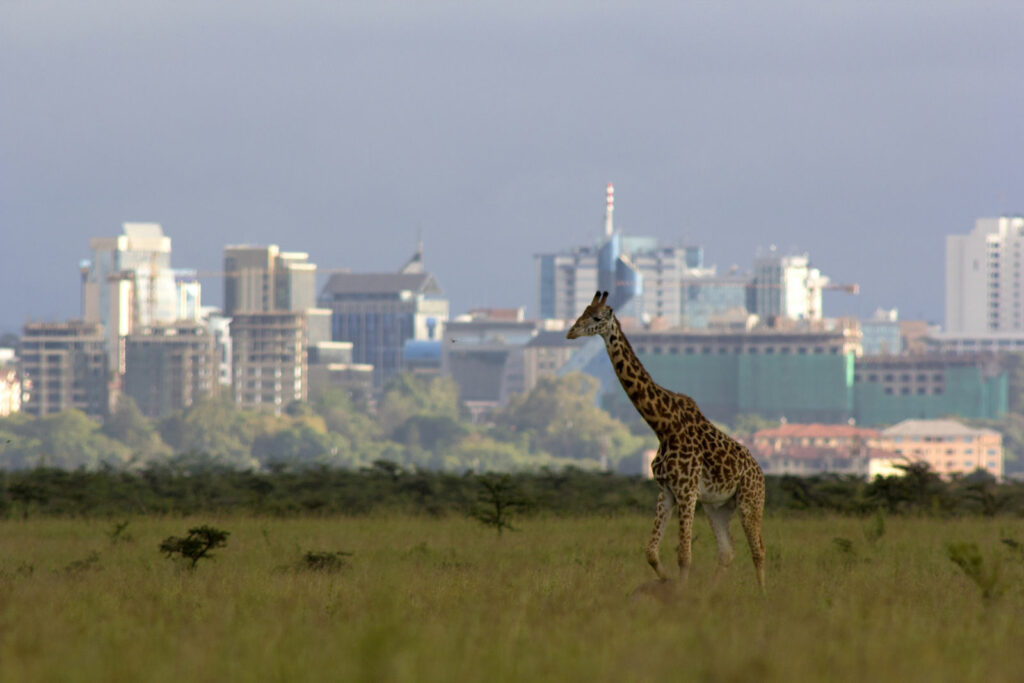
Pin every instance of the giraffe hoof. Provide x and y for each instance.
(662, 590)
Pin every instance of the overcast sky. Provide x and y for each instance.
(859, 132)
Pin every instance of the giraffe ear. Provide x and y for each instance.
(597, 295)
(604, 296)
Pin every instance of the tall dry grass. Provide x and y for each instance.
(440, 600)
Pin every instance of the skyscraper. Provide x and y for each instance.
(263, 279)
(984, 289)
(128, 283)
(380, 312)
(787, 287)
(63, 366)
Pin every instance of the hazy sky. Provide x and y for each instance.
(860, 132)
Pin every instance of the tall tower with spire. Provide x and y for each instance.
(609, 210)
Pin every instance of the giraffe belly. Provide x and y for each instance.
(710, 494)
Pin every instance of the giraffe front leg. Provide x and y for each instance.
(687, 502)
(664, 510)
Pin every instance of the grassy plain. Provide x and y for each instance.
(446, 600)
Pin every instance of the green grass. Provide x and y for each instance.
(445, 599)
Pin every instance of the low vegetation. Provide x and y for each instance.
(421, 598)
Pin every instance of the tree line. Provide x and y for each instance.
(179, 488)
(415, 422)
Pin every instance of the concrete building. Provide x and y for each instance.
(880, 334)
(64, 366)
(128, 283)
(169, 367)
(787, 287)
(546, 354)
(330, 366)
(947, 446)
(380, 312)
(264, 278)
(984, 286)
(484, 353)
(269, 361)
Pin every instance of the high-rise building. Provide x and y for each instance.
(169, 367)
(268, 365)
(63, 366)
(984, 286)
(128, 283)
(380, 312)
(787, 287)
(10, 383)
(263, 279)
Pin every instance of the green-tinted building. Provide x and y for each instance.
(889, 389)
(810, 376)
(803, 376)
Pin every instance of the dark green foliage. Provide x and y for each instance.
(498, 498)
(985, 575)
(197, 545)
(194, 484)
(325, 560)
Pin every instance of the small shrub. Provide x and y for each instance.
(875, 529)
(845, 548)
(969, 559)
(495, 502)
(326, 560)
(118, 534)
(197, 545)
(90, 561)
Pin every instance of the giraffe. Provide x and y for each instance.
(695, 460)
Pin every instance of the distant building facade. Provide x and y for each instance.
(812, 449)
(380, 312)
(169, 367)
(128, 283)
(10, 390)
(64, 366)
(787, 287)
(269, 360)
(984, 286)
(264, 278)
(801, 374)
(880, 334)
(947, 446)
(484, 354)
(331, 366)
(888, 389)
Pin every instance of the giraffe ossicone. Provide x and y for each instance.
(695, 461)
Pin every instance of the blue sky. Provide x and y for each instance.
(860, 132)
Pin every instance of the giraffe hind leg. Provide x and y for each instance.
(751, 511)
(719, 517)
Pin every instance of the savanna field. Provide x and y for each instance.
(423, 598)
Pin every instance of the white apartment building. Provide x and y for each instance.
(983, 279)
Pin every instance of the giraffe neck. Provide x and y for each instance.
(635, 379)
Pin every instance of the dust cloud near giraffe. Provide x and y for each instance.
(695, 460)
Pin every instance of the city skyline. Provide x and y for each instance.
(862, 135)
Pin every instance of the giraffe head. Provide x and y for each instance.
(597, 318)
